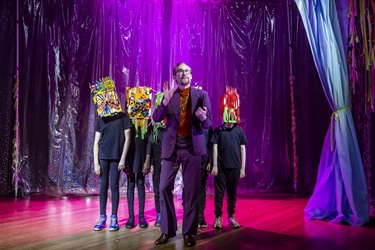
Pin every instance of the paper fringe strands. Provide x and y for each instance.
(363, 10)
(157, 102)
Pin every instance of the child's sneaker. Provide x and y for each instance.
(218, 223)
(101, 223)
(233, 222)
(113, 226)
(202, 222)
(158, 220)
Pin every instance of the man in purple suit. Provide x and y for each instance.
(188, 112)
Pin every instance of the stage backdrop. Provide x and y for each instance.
(7, 73)
(67, 45)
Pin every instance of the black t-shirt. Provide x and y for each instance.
(157, 140)
(112, 135)
(229, 141)
(139, 148)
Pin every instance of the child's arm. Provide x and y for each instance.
(214, 160)
(209, 147)
(97, 167)
(152, 160)
(152, 153)
(243, 161)
(146, 165)
(127, 135)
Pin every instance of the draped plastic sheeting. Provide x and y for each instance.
(65, 45)
(7, 73)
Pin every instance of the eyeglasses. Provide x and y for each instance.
(183, 71)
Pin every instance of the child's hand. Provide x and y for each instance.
(242, 174)
(152, 169)
(146, 169)
(121, 165)
(208, 168)
(97, 169)
(214, 170)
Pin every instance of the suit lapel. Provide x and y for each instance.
(194, 98)
(175, 105)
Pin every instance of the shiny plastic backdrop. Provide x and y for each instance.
(65, 45)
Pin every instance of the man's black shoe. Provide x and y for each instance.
(189, 240)
(163, 239)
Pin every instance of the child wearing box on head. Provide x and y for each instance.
(229, 158)
(111, 145)
(138, 160)
(158, 131)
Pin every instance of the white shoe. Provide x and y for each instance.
(233, 222)
(218, 224)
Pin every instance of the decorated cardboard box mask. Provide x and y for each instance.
(230, 106)
(105, 97)
(139, 106)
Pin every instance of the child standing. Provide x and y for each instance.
(137, 166)
(157, 139)
(229, 158)
(111, 144)
(205, 169)
(138, 160)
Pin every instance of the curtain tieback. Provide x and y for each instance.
(335, 115)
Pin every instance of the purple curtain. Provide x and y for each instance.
(66, 45)
(7, 80)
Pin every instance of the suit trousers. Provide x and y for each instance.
(191, 171)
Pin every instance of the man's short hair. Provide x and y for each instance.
(178, 64)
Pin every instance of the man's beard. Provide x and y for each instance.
(185, 81)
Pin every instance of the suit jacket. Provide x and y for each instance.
(173, 113)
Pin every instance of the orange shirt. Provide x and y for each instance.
(186, 115)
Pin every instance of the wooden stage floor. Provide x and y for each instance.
(268, 221)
